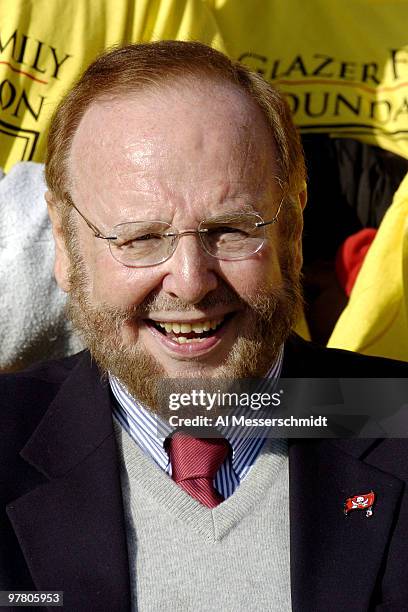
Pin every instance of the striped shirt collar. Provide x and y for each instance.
(149, 431)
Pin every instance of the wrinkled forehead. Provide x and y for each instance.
(176, 138)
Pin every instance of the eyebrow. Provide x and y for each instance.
(232, 215)
(226, 217)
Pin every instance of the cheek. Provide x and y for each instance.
(116, 285)
(248, 276)
(112, 283)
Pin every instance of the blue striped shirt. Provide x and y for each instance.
(149, 431)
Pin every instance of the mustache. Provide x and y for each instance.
(263, 304)
(158, 302)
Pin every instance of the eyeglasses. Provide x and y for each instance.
(230, 236)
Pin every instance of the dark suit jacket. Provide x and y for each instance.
(61, 514)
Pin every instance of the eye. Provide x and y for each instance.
(227, 232)
(146, 237)
(227, 229)
(142, 241)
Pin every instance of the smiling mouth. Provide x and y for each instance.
(184, 332)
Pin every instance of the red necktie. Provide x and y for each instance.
(195, 462)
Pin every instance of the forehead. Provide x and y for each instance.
(192, 140)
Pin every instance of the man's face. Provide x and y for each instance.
(180, 155)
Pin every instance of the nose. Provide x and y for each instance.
(190, 273)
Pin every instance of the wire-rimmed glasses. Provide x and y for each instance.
(229, 236)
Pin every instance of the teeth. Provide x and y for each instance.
(197, 328)
(186, 328)
(183, 340)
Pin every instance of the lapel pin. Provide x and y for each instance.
(360, 502)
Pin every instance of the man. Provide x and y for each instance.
(176, 184)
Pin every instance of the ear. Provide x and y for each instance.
(298, 254)
(302, 197)
(62, 261)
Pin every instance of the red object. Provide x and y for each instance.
(350, 257)
(360, 502)
(195, 462)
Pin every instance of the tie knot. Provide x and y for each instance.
(196, 457)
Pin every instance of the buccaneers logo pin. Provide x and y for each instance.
(360, 502)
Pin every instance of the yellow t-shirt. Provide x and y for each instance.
(375, 321)
(342, 63)
(46, 44)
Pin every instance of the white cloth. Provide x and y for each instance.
(32, 320)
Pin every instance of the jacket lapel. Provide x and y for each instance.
(335, 560)
(71, 528)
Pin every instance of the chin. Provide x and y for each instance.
(186, 369)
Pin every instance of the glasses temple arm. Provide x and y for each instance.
(96, 231)
(274, 220)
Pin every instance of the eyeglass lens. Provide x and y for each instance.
(142, 243)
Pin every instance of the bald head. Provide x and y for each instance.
(149, 68)
(175, 143)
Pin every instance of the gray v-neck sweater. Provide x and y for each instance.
(186, 557)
